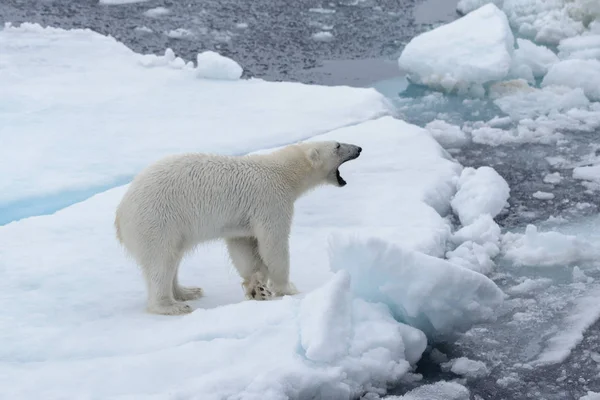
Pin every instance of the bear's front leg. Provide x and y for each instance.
(273, 246)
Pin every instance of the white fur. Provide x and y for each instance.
(183, 200)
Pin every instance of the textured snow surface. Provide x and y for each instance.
(467, 368)
(461, 55)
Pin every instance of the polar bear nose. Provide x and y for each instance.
(359, 150)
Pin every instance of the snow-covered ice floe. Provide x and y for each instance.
(72, 318)
(436, 391)
(118, 129)
(462, 55)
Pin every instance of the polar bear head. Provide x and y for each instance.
(326, 158)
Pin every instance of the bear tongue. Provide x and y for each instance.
(340, 180)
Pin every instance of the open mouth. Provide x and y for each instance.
(341, 182)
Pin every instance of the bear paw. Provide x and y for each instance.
(175, 308)
(183, 293)
(260, 292)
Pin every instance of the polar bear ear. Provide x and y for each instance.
(314, 157)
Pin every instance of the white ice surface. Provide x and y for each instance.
(212, 65)
(436, 391)
(537, 58)
(585, 312)
(590, 173)
(74, 303)
(467, 368)
(583, 74)
(156, 12)
(463, 54)
(448, 135)
(117, 128)
(545, 249)
(580, 47)
(480, 191)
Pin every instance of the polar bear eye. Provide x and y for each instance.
(338, 146)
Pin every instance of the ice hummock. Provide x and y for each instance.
(212, 65)
(462, 55)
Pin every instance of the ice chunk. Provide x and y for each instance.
(212, 65)
(180, 33)
(586, 77)
(467, 368)
(531, 102)
(582, 47)
(156, 12)
(591, 396)
(436, 391)
(580, 276)
(591, 173)
(553, 178)
(462, 55)
(529, 285)
(425, 292)
(546, 248)
(586, 311)
(483, 230)
(542, 195)
(323, 36)
(480, 191)
(448, 135)
(325, 320)
(537, 58)
(474, 256)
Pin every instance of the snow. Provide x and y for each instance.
(587, 76)
(482, 230)
(585, 312)
(156, 12)
(480, 191)
(545, 249)
(436, 391)
(212, 65)
(426, 292)
(323, 36)
(590, 173)
(448, 135)
(543, 195)
(461, 55)
(580, 47)
(591, 396)
(467, 368)
(119, 129)
(536, 58)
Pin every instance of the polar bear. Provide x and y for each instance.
(183, 200)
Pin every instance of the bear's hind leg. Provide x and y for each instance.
(160, 273)
(185, 293)
(244, 256)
